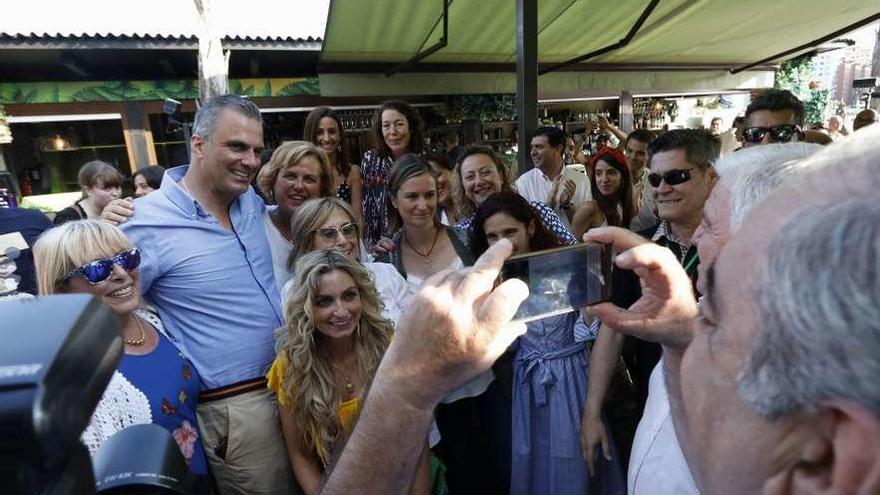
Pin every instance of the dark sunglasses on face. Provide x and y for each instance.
(779, 133)
(98, 271)
(673, 177)
(349, 231)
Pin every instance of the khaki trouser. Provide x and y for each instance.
(255, 460)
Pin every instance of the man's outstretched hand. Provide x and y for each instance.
(667, 307)
(455, 328)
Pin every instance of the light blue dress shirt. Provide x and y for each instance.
(214, 288)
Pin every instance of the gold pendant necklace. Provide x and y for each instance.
(140, 341)
(346, 379)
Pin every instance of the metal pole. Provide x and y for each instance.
(625, 116)
(526, 77)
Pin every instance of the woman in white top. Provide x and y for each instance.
(296, 172)
(474, 420)
(327, 223)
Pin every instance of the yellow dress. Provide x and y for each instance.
(347, 413)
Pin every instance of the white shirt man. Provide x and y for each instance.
(550, 181)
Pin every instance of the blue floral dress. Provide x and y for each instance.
(161, 387)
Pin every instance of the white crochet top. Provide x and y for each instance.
(122, 404)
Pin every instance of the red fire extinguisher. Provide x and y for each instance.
(26, 189)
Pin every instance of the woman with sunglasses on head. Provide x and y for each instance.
(330, 223)
(549, 373)
(332, 342)
(154, 382)
(323, 127)
(397, 129)
(611, 185)
(296, 172)
(480, 173)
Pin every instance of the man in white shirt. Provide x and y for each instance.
(550, 181)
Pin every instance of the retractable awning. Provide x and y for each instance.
(683, 45)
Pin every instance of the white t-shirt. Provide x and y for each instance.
(280, 248)
(656, 464)
(535, 186)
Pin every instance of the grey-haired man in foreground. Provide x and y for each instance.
(772, 383)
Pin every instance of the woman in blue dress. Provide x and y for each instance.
(154, 382)
(549, 373)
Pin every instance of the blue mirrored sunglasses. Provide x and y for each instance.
(98, 271)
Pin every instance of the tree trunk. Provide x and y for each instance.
(213, 63)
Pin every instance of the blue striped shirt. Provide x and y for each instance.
(214, 288)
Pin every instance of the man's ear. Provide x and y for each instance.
(713, 175)
(842, 456)
(197, 145)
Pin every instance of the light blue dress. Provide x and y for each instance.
(550, 387)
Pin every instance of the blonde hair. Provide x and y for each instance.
(70, 245)
(308, 381)
(288, 155)
(308, 219)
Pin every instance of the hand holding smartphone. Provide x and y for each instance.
(562, 279)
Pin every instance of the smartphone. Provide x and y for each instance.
(561, 279)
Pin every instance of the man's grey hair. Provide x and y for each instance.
(819, 308)
(207, 115)
(818, 295)
(751, 173)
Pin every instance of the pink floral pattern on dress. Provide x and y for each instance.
(186, 437)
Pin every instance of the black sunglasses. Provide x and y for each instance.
(98, 271)
(779, 133)
(673, 177)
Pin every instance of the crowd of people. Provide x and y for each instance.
(301, 323)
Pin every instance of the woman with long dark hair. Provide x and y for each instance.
(397, 130)
(323, 127)
(611, 185)
(549, 374)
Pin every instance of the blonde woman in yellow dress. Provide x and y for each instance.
(328, 352)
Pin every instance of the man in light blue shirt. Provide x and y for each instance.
(206, 266)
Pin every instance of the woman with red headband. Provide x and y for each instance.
(611, 185)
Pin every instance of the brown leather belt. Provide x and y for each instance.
(232, 390)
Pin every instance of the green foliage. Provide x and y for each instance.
(814, 108)
(482, 107)
(304, 87)
(794, 75)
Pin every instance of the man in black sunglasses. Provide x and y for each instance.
(681, 177)
(774, 116)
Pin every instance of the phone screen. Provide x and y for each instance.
(561, 280)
